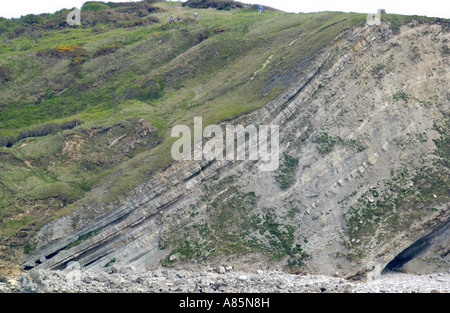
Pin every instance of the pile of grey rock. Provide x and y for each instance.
(222, 279)
(24, 284)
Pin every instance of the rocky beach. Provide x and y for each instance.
(223, 279)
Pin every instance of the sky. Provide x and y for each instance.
(430, 8)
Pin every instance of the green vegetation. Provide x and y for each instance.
(397, 20)
(400, 95)
(29, 247)
(5, 74)
(216, 4)
(287, 171)
(281, 241)
(48, 174)
(154, 55)
(31, 19)
(94, 6)
(326, 143)
(111, 262)
(130, 76)
(107, 50)
(233, 226)
(40, 131)
(83, 238)
(445, 50)
(126, 63)
(393, 206)
(378, 71)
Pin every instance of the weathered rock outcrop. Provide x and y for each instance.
(363, 176)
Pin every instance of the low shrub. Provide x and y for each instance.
(154, 89)
(198, 38)
(32, 19)
(216, 4)
(400, 95)
(76, 52)
(219, 30)
(70, 124)
(40, 131)
(5, 74)
(63, 51)
(94, 6)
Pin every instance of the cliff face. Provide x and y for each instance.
(363, 173)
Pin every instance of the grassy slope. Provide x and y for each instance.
(209, 79)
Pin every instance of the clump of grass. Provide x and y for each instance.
(111, 262)
(83, 238)
(5, 74)
(326, 143)
(400, 95)
(29, 247)
(62, 51)
(281, 239)
(216, 4)
(287, 171)
(107, 50)
(378, 71)
(152, 90)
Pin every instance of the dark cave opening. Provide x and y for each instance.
(418, 247)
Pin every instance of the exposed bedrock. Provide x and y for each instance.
(361, 176)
